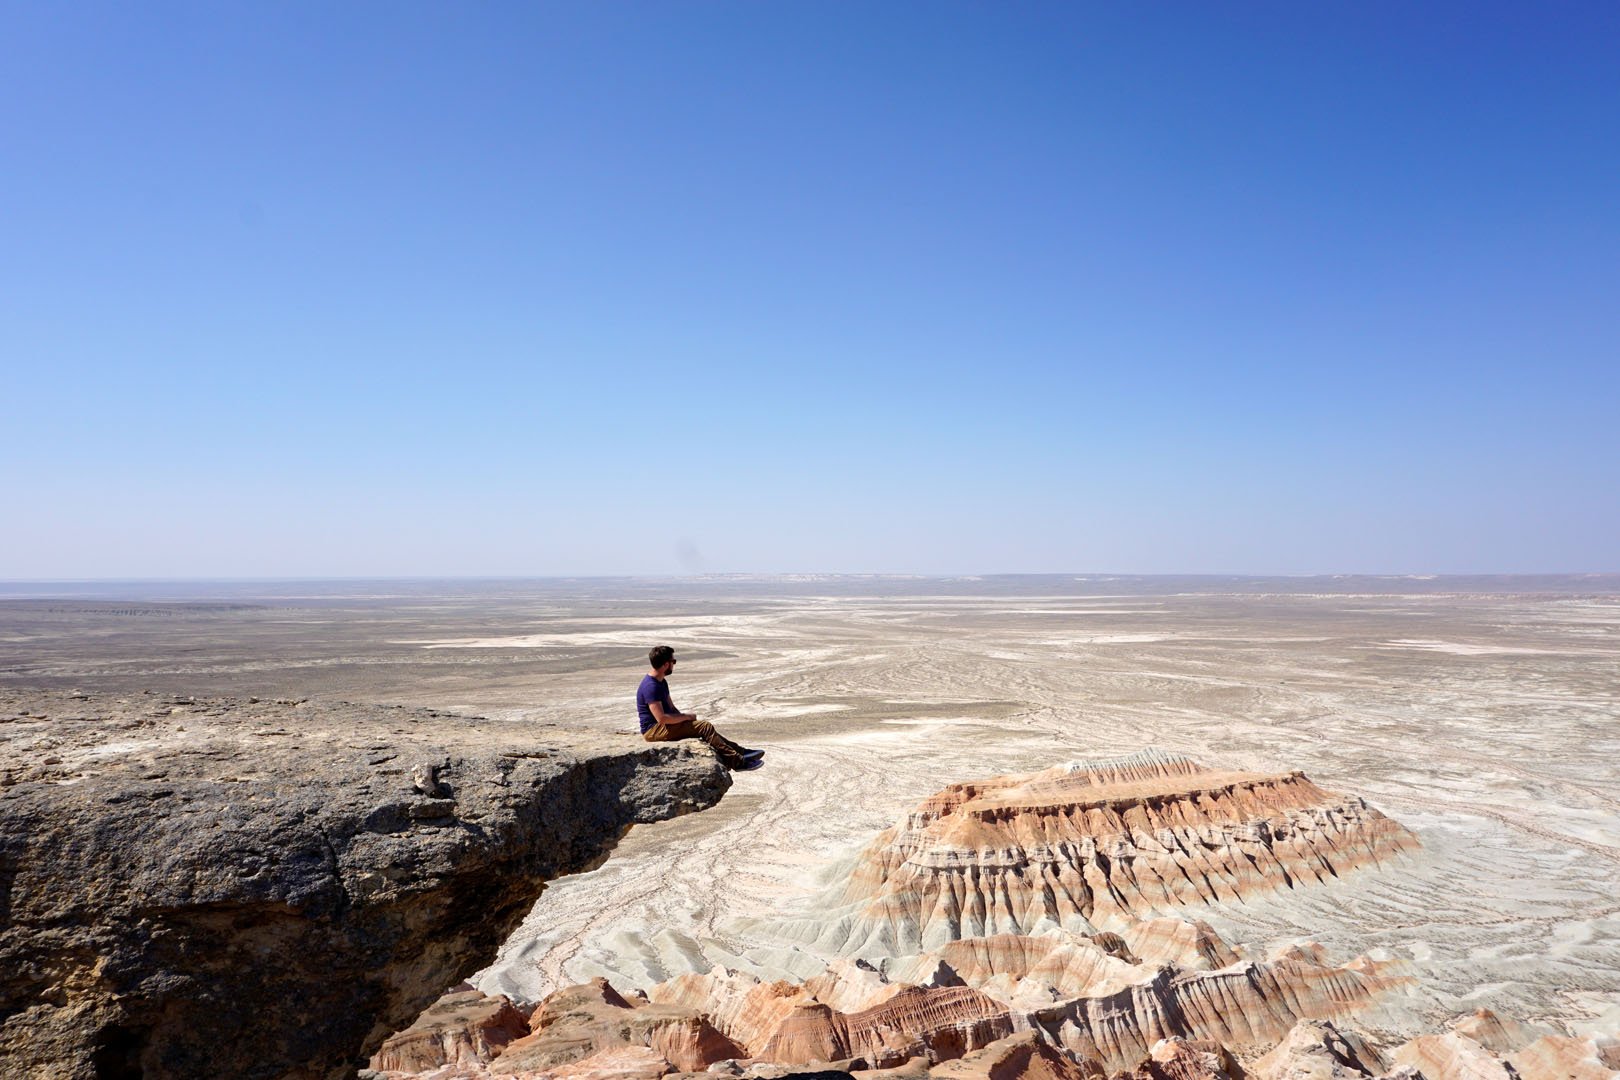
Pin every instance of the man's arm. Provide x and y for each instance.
(659, 715)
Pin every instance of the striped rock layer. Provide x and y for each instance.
(1104, 1001)
(1094, 996)
(1094, 846)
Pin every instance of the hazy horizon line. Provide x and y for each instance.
(1094, 575)
(838, 574)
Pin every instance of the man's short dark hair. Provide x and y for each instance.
(660, 655)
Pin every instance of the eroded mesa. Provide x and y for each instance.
(1092, 846)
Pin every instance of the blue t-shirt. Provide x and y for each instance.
(652, 690)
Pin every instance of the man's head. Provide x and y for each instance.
(662, 659)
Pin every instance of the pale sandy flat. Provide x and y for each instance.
(1488, 724)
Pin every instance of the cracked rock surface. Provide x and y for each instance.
(247, 888)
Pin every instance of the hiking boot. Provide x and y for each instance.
(752, 755)
(749, 764)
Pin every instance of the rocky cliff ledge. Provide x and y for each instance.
(252, 888)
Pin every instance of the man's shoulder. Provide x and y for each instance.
(649, 686)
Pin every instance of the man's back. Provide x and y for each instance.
(652, 690)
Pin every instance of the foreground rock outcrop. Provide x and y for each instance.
(1094, 846)
(267, 889)
(609, 1037)
(1098, 999)
(1091, 996)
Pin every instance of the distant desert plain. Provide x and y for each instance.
(1481, 714)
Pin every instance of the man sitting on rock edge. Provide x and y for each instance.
(662, 722)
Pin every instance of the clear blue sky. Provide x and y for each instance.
(472, 288)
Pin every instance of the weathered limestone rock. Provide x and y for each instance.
(268, 889)
(1249, 1005)
(1093, 846)
(620, 1063)
(464, 1027)
(916, 1068)
(1452, 1057)
(1025, 1056)
(784, 1023)
(1189, 944)
(1316, 1050)
(1035, 971)
(1187, 1059)
(1538, 1053)
(1500, 1035)
(1482, 1046)
(1562, 1057)
(579, 1022)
